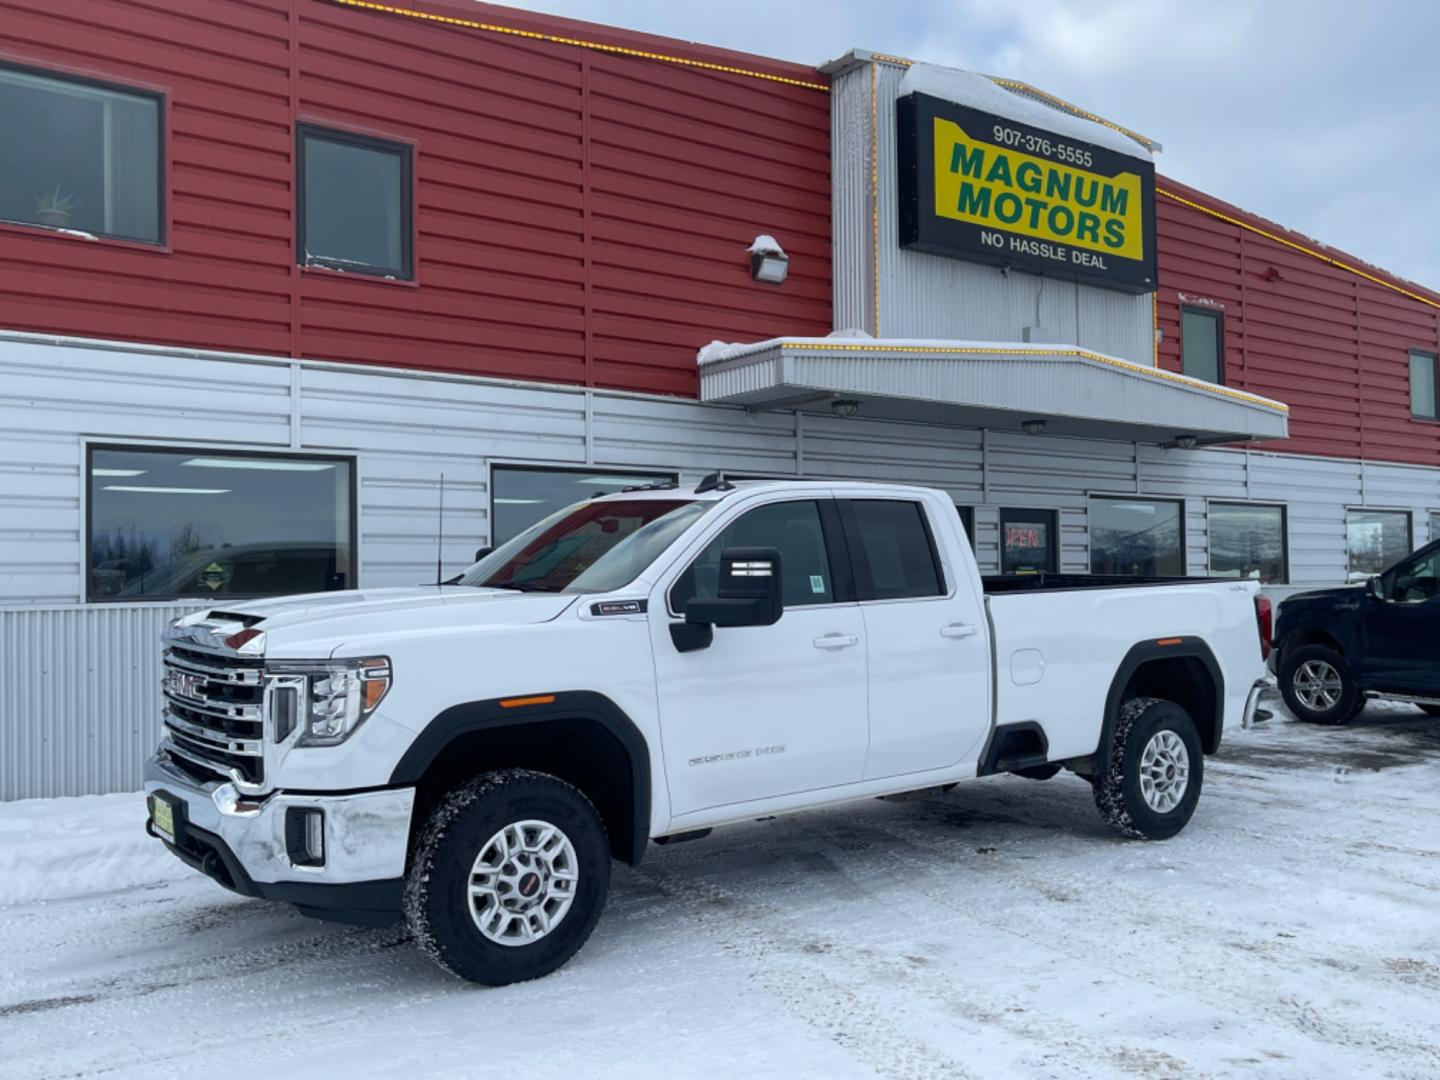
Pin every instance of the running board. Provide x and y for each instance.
(1412, 699)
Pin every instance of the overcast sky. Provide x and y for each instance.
(1322, 115)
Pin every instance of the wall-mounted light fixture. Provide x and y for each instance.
(1033, 427)
(768, 261)
(845, 407)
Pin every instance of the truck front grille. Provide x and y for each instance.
(214, 712)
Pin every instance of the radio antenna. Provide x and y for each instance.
(440, 530)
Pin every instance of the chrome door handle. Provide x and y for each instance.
(959, 630)
(836, 641)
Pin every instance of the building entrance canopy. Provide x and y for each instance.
(1054, 389)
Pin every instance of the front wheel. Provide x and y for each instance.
(509, 877)
(1318, 685)
(1152, 781)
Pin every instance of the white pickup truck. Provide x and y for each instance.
(645, 666)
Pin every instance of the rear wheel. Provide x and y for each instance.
(1152, 781)
(1318, 685)
(509, 877)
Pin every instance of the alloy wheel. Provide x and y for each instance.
(523, 882)
(1318, 685)
(1164, 771)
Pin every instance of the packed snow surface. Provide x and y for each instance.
(982, 92)
(1001, 930)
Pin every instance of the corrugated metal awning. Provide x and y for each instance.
(995, 385)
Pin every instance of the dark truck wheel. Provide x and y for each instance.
(1318, 685)
(509, 877)
(1152, 781)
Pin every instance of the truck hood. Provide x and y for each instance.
(314, 624)
(1313, 596)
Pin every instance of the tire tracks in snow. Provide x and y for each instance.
(1206, 978)
(834, 995)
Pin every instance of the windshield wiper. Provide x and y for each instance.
(518, 586)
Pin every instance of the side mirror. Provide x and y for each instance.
(1376, 587)
(749, 594)
(480, 553)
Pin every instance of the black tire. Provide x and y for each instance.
(1119, 793)
(1430, 710)
(1310, 658)
(438, 905)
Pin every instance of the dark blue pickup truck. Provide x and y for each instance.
(1337, 647)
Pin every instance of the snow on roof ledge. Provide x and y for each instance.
(978, 91)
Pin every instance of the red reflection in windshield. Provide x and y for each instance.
(573, 544)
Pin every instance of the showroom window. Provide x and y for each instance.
(1422, 385)
(967, 522)
(1028, 542)
(355, 203)
(171, 523)
(1202, 344)
(521, 495)
(1376, 539)
(1137, 537)
(80, 155)
(1248, 541)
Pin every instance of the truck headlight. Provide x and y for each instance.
(341, 694)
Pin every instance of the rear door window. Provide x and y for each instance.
(892, 550)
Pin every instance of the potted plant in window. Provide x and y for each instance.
(54, 206)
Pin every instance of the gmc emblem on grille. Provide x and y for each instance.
(185, 685)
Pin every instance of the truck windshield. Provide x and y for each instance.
(588, 547)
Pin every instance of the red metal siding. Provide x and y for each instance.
(581, 216)
(1331, 343)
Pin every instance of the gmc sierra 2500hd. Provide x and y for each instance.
(645, 666)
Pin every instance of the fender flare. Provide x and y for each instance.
(586, 705)
(1142, 653)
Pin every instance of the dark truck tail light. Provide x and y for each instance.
(1265, 617)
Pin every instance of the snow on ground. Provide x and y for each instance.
(1293, 930)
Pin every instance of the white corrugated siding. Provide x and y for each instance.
(930, 296)
(79, 697)
(79, 706)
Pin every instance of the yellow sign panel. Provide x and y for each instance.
(996, 187)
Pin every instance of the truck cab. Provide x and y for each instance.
(647, 666)
(1336, 648)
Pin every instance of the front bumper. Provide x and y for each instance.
(240, 842)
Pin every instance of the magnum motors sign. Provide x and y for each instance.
(989, 189)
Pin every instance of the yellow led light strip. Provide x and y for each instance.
(579, 43)
(875, 192)
(1074, 110)
(1026, 88)
(1297, 247)
(1057, 354)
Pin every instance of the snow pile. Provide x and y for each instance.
(765, 244)
(57, 848)
(726, 350)
(978, 91)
